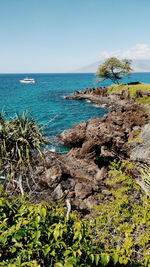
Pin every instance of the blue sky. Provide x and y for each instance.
(64, 35)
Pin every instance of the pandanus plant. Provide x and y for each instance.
(20, 139)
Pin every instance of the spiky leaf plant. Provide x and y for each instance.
(145, 176)
(20, 139)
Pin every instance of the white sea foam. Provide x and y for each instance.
(53, 149)
(96, 105)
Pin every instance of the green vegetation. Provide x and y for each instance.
(145, 176)
(143, 100)
(135, 138)
(114, 69)
(40, 235)
(20, 139)
(122, 224)
(118, 235)
(130, 90)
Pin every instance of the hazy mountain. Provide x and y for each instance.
(138, 65)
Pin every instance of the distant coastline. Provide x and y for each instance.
(138, 65)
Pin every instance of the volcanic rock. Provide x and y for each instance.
(80, 174)
(57, 193)
(140, 149)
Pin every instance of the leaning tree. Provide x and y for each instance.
(114, 69)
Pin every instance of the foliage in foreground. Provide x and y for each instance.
(122, 224)
(19, 138)
(41, 235)
(114, 69)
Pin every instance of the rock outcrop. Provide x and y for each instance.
(107, 135)
(67, 176)
(140, 148)
(80, 174)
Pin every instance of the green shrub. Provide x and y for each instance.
(20, 138)
(40, 235)
(122, 223)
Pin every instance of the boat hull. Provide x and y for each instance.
(22, 81)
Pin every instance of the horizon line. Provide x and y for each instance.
(61, 72)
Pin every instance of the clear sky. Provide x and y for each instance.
(64, 35)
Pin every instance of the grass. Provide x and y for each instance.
(131, 89)
(143, 100)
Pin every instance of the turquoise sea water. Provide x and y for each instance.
(45, 99)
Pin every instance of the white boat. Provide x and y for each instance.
(27, 80)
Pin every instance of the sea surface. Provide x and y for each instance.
(45, 99)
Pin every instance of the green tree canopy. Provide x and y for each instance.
(114, 69)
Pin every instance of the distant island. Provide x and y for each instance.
(139, 65)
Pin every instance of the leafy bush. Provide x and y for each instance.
(122, 224)
(40, 235)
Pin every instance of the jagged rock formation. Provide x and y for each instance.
(105, 136)
(99, 96)
(79, 174)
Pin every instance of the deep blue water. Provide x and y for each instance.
(45, 99)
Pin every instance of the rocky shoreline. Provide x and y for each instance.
(80, 174)
(98, 96)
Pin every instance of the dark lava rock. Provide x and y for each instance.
(79, 175)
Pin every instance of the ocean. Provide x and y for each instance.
(45, 99)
